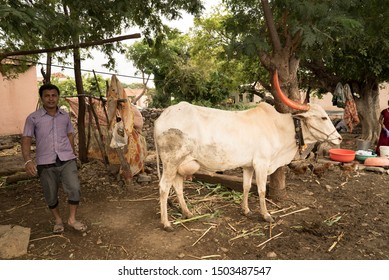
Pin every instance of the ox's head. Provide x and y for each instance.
(317, 126)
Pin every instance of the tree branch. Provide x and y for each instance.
(325, 80)
(265, 60)
(296, 41)
(275, 39)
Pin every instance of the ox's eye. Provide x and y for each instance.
(324, 118)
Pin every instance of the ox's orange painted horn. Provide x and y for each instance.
(284, 99)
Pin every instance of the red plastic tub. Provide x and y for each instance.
(342, 155)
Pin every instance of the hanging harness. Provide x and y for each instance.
(299, 135)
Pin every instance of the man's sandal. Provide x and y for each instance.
(58, 229)
(78, 226)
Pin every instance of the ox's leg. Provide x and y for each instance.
(164, 188)
(261, 178)
(178, 185)
(247, 179)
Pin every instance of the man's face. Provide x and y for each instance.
(50, 98)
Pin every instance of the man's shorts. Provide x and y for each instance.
(53, 175)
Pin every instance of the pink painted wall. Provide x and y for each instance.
(19, 98)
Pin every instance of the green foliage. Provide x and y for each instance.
(193, 67)
(28, 25)
(95, 86)
(68, 86)
(359, 53)
(226, 194)
(176, 76)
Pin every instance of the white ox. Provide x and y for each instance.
(190, 138)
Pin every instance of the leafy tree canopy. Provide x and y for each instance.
(27, 25)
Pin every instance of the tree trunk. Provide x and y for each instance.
(283, 59)
(277, 186)
(82, 150)
(287, 72)
(286, 65)
(368, 110)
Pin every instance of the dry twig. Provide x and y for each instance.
(282, 210)
(195, 257)
(336, 242)
(231, 227)
(297, 211)
(50, 236)
(211, 227)
(270, 228)
(191, 219)
(271, 238)
(20, 206)
(244, 234)
(133, 200)
(271, 202)
(204, 257)
(185, 227)
(209, 257)
(109, 249)
(121, 246)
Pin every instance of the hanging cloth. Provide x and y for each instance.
(338, 98)
(347, 92)
(350, 114)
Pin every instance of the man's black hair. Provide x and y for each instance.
(47, 87)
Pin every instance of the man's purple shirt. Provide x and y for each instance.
(51, 135)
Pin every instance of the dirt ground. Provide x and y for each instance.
(340, 216)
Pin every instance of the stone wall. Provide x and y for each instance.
(149, 116)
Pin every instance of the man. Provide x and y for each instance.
(55, 161)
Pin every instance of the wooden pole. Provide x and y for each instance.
(73, 46)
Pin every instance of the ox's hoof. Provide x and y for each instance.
(248, 214)
(187, 215)
(168, 228)
(268, 218)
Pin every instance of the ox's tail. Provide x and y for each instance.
(157, 155)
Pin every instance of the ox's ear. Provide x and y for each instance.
(300, 115)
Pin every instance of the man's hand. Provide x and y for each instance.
(31, 168)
